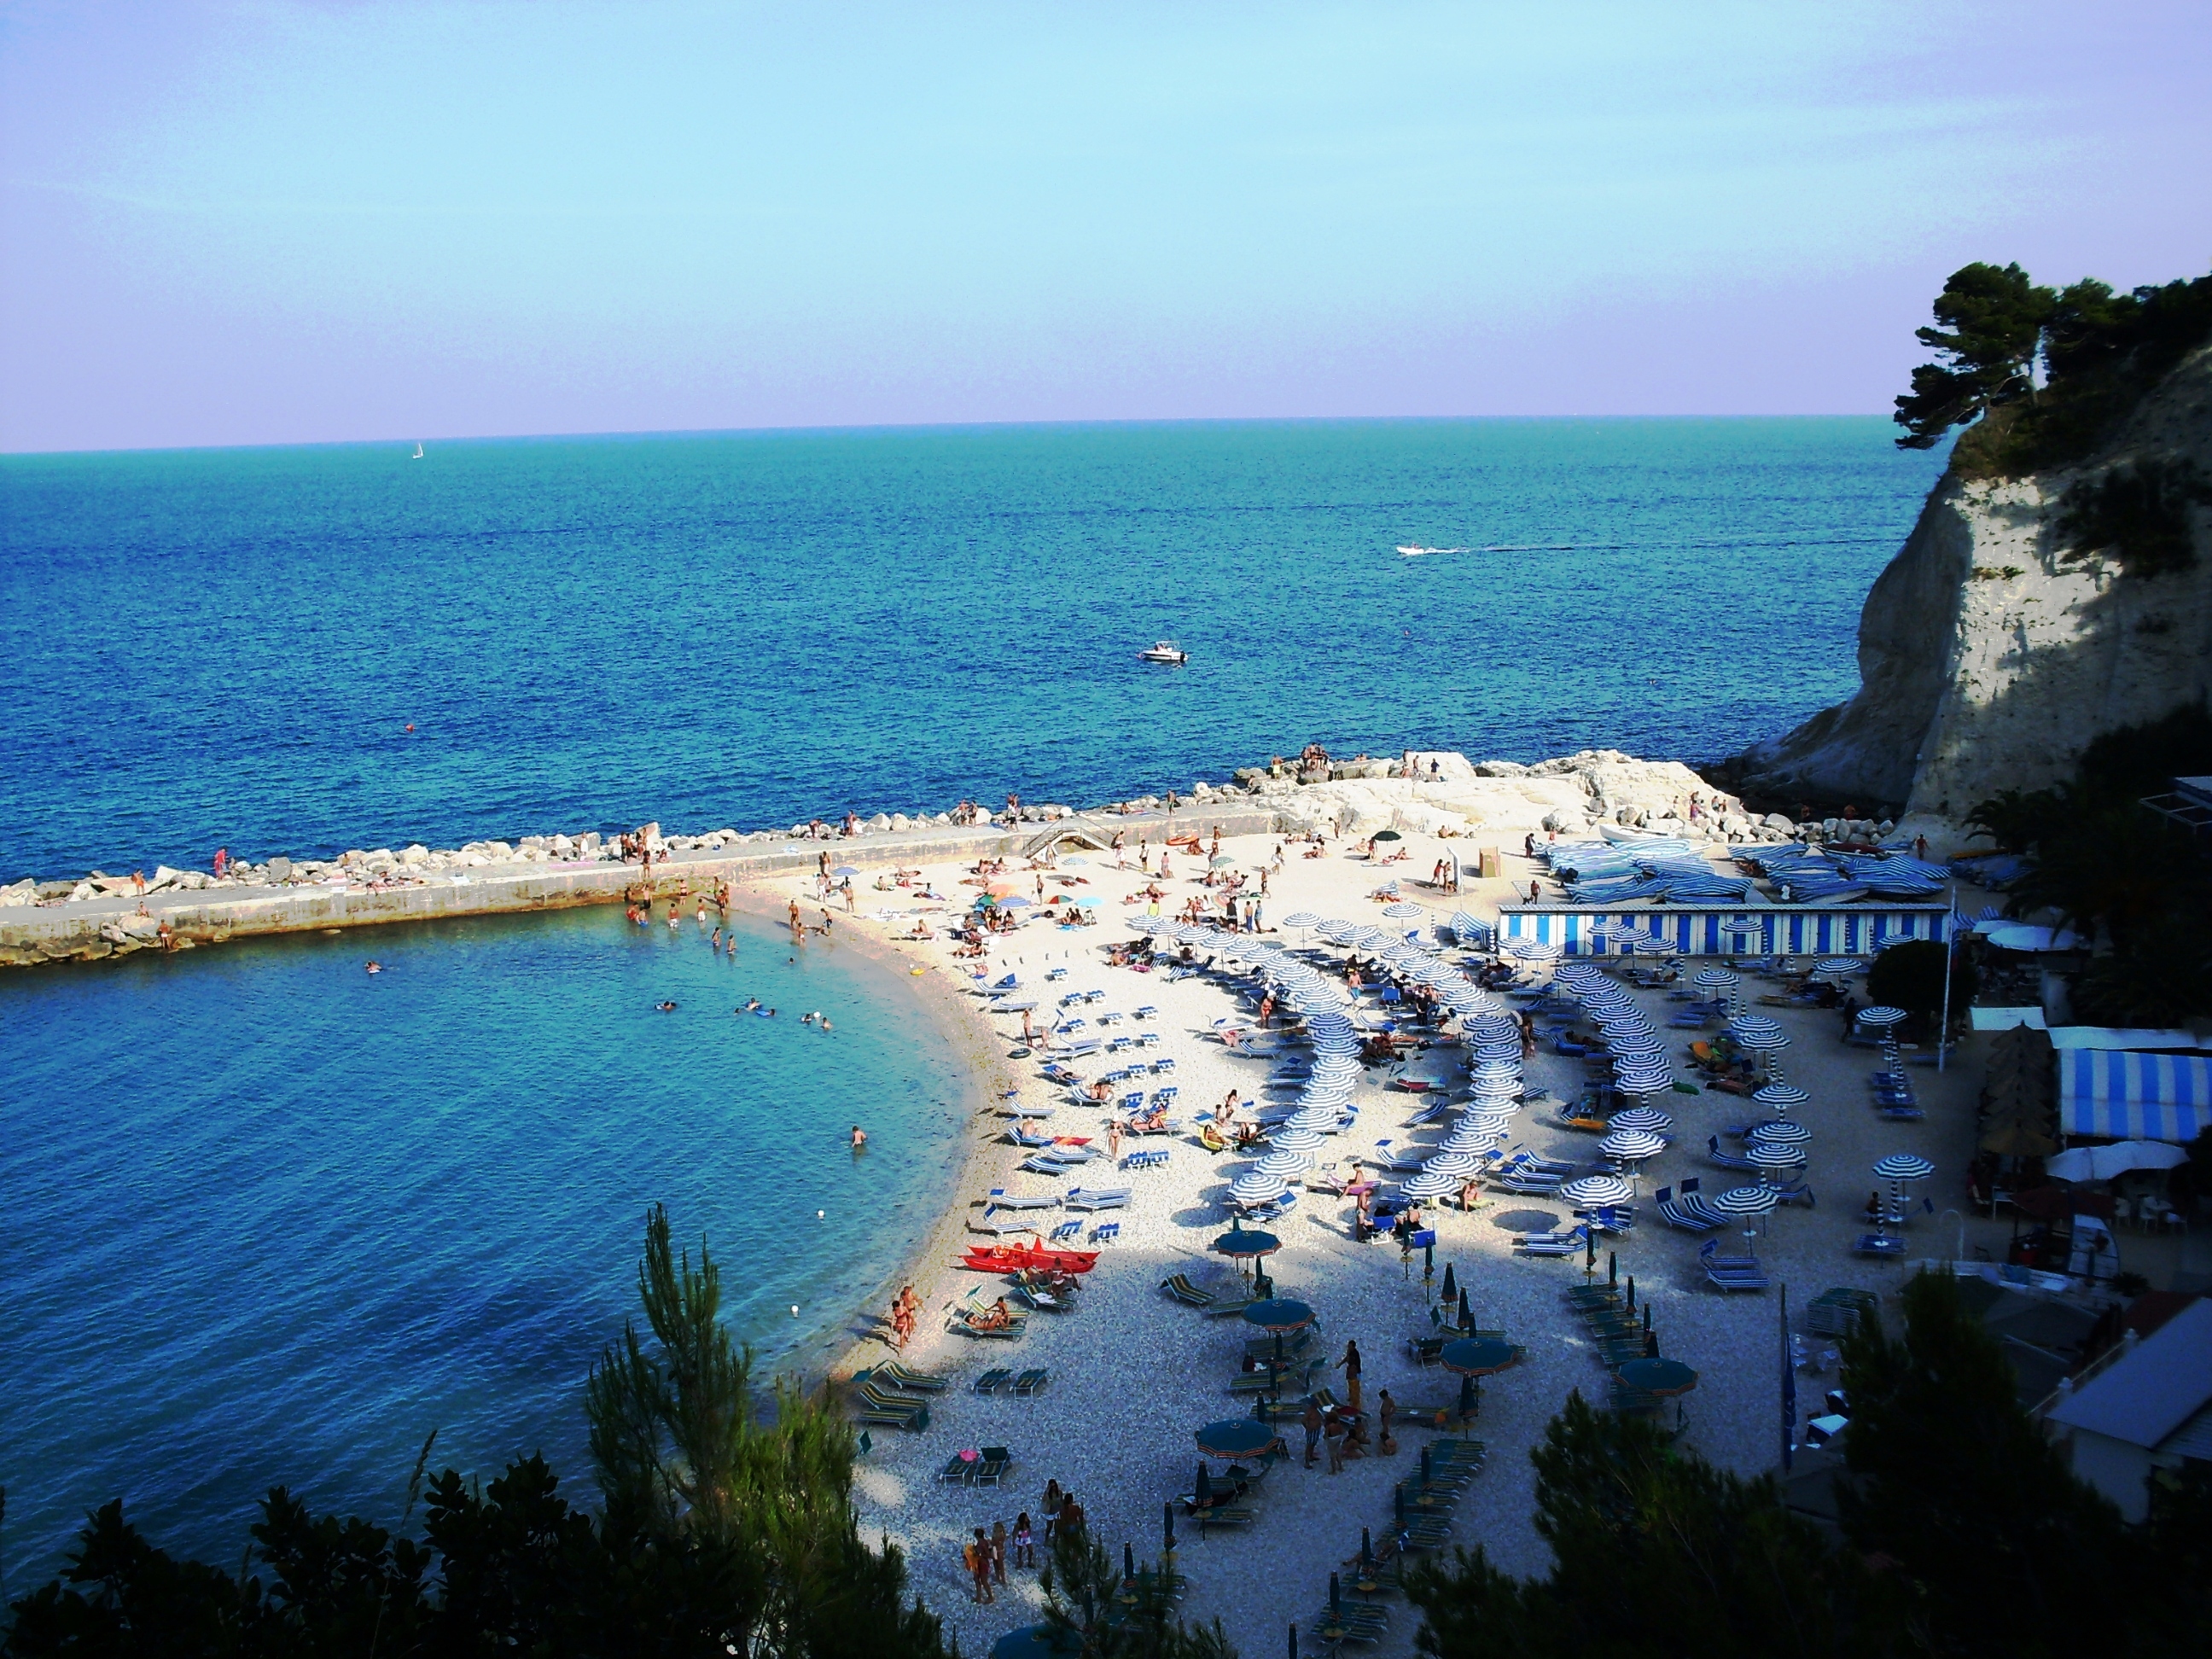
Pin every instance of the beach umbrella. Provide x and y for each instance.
(1254, 1187)
(1386, 835)
(1457, 1165)
(1881, 1016)
(1715, 979)
(1429, 1184)
(1904, 1166)
(1302, 919)
(1234, 1437)
(1647, 1118)
(1280, 1314)
(1746, 1026)
(1632, 1145)
(1466, 1310)
(1659, 1376)
(1750, 1202)
(1526, 949)
(1451, 1284)
(1781, 1097)
(1837, 967)
(1478, 1356)
(845, 870)
(1774, 1155)
(1588, 1190)
(1781, 1132)
(1404, 909)
(1283, 1161)
(1245, 1244)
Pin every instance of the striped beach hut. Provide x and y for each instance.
(2131, 1096)
(1705, 930)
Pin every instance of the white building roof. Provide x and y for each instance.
(2155, 1390)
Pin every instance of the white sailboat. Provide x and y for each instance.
(417, 455)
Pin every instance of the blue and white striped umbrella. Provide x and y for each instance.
(1746, 1027)
(1257, 1188)
(1647, 1118)
(1715, 979)
(1746, 1201)
(1780, 1132)
(1283, 1161)
(1837, 967)
(1781, 1097)
(1459, 1166)
(1427, 1185)
(1403, 909)
(1904, 1166)
(1630, 1145)
(1774, 1155)
(1586, 1191)
(1302, 919)
(1292, 1137)
(1532, 949)
(1881, 1015)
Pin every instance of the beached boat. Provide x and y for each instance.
(1622, 832)
(1164, 650)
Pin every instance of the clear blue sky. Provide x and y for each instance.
(267, 222)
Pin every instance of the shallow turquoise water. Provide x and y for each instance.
(271, 1218)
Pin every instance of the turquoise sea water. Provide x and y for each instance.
(226, 648)
(270, 1218)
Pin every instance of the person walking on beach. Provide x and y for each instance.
(1350, 1366)
(1113, 1140)
(1024, 1542)
(1312, 1424)
(999, 1552)
(979, 1563)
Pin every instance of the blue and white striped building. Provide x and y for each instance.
(1703, 930)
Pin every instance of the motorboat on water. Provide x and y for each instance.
(1164, 650)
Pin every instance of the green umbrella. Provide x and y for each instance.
(1235, 1436)
(1478, 1356)
(1659, 1376)
(1386, 835)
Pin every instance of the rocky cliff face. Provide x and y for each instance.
(1988, 661)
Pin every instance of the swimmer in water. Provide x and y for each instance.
(716, 943)
(376, 966)
(666, 1007)
(823, 1022)
(769, 1013)
(806, 1019)
(859, 1137)
(752, 1005)
(674, 919)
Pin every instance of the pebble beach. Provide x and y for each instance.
(1134, 1372)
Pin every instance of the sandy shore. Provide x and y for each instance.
(1133, 1373)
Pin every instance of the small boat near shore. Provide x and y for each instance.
(1417, 551)
(1164, 650)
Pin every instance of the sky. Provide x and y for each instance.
(270, 222)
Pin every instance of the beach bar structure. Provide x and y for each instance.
(2131, 1096)
(1716, 930)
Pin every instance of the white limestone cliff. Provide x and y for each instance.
(1988, 661)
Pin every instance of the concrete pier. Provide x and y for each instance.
(90, 929)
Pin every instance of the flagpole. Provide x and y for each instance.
(1950, 932)
(1788, 1388)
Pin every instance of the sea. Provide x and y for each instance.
(273, 1219)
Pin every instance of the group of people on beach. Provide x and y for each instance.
(906, 1304)
(984, 1555)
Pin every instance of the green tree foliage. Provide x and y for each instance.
(1993, 320)
(2100, 351)
(725, 1531)
(2140, 515)
(1097, 1612)
(1910, 976)
(2125, 879)
(2005, 1552)
(1656, 1553)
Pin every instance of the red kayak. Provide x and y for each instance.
(1007, 1259)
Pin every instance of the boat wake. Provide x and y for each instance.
(1422, 552)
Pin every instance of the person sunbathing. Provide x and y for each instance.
(996, 1317)
(1150, 1121)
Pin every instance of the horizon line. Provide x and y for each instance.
(866, 429)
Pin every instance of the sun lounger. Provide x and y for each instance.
(1106, 1232)
(997, 1462)
(1000, 1199)
(1566, 1243)
(1000, 1229)
(897, 1376)
(1218, 1514)
(911, 1415)
(1179, 1286)
(1229, 1304)
(1679, 1213)
(1096, 1197)
(1731, 1272)
(1032, 1381)
(959, 1470)
(993, 1380)
(1878, 1244)
(1067, 1229)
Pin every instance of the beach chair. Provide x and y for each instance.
(959, 1470)
(1610, 1217)
(1031, 1383)
(1725, 1160)
(1000, 1199)
(910, 1415)
(996, 1463)
(1798, 1193)
(1000, 1229)
(993, 1380)
(1106, 1232)
(1065, 1231)
(1179, 1286)
(896, 1375)
(1218, 1514)
(1166, 1064)
(1731, 1272)
(1883, 1245)
(1551, 1244)
(1096, 1197)
(1677, 1213)
(1147, 1011)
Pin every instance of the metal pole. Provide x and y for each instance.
(1943, 1036)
